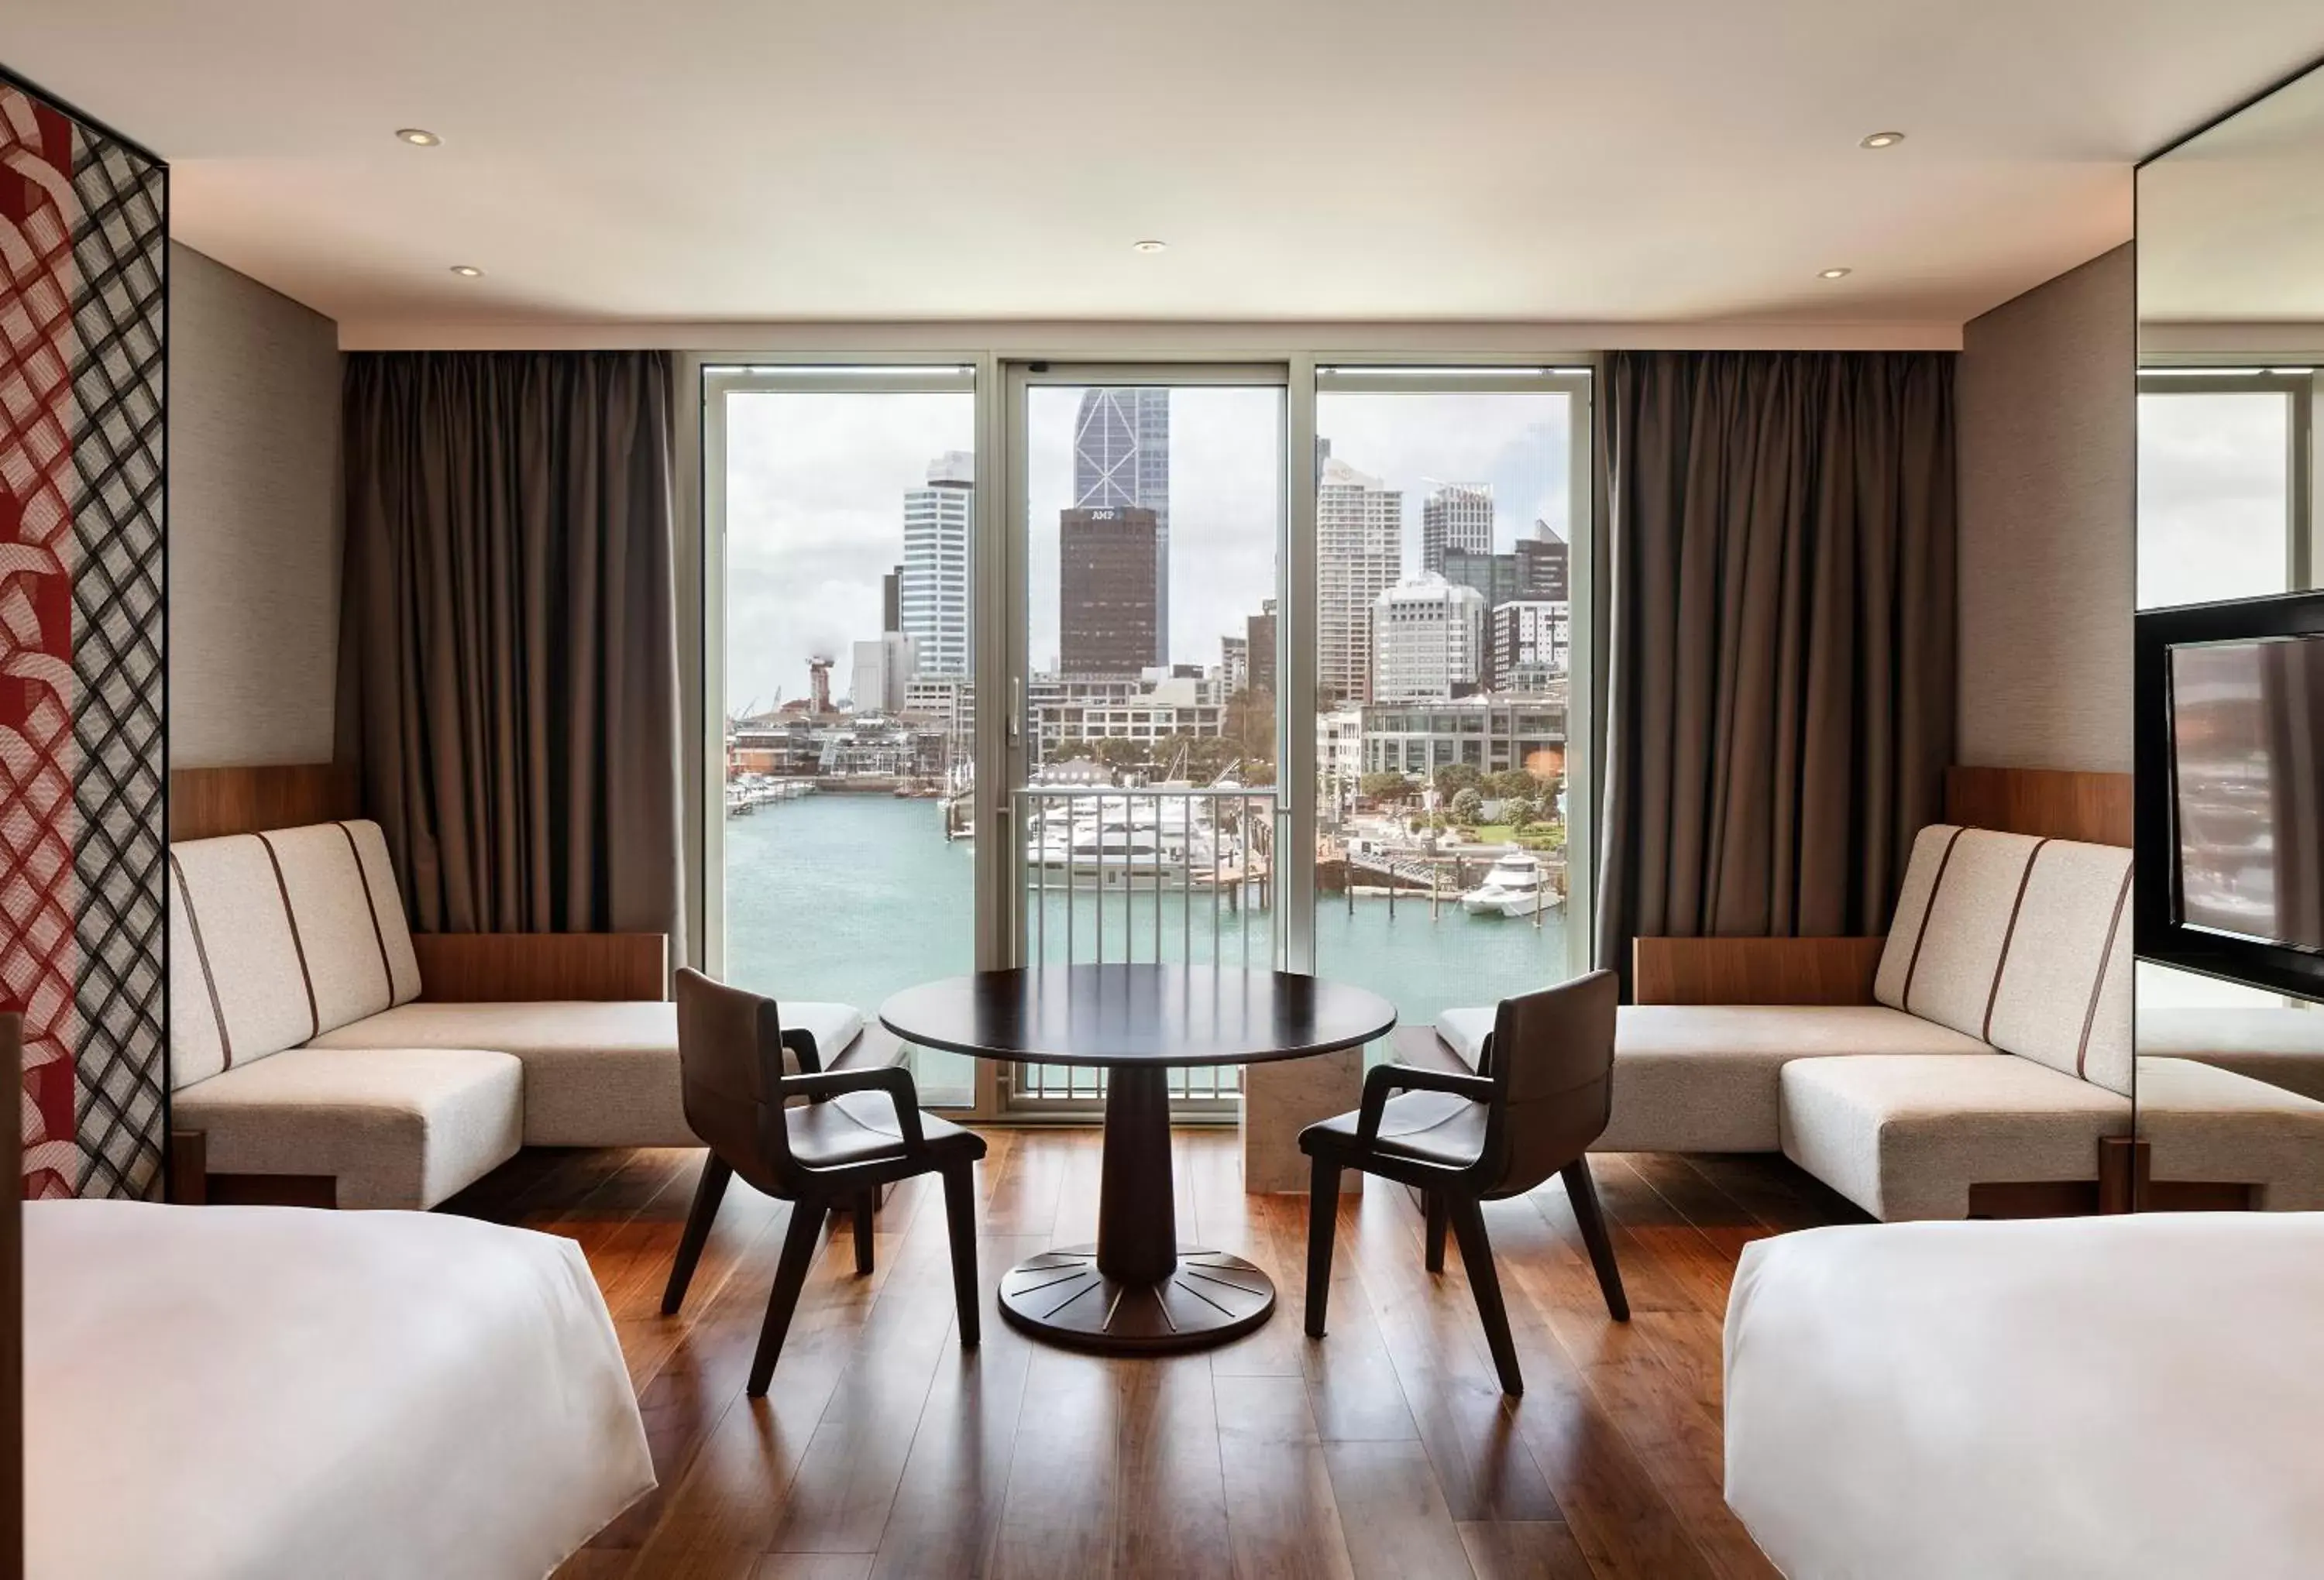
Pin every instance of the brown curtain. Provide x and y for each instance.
(509, 675)
(1779, 706)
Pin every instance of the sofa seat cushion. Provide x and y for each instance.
(1702, 1077)
(397, 1127)
(595, 1073)
(1905, 1135)
(2283, 1047)
(2208, 1124)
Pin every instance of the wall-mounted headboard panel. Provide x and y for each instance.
(205, 802)
(2050, 804)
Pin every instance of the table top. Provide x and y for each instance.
(1137, 1014)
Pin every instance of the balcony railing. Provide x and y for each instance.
(1172, 875)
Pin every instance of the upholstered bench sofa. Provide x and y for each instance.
(306, 1045)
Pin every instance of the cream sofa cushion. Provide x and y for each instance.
(339, 935)
(238, 993)
(399, 1127)
(2283, 1047)
(2069, 964)
(1951, 959)
(596, 1074)
(1905, 1136)
(2205, 1123)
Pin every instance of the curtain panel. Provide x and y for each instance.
(508, 678)
(1780, 652)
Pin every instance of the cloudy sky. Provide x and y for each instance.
(2211, 489)
(816, 484)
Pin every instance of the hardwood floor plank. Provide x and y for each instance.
(1399, 1527)
(1352, 1387)
(1283, 1519)
(1059, 1521)
(814, 1567)
(1538, 1549)
(1171, 1489)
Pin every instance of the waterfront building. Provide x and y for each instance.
(1489, 733)
(932, 584)
(1121, 458)
(1339, 761)
(883, 673)
(1259, 647)
(1359, 555)
(1528, 638)
(1144, 708)
(1429, 639)
(1108, 601)
(1234, 664)
(1455, 516)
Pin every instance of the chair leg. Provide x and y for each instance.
(1485, 1283)
(708, 1192)
(960, 1218)
(1323, 1219)
(864, 1208)
(1582, 1190)
(791, 1276)
(1436, 1226)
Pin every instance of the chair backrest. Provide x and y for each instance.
(729, 1057)
(1552, 1064)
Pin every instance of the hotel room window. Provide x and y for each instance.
(840, 514)
(1450, 506)
(2224, 476)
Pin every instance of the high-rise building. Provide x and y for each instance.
(1258, 645)
(1359, 555)
(1121, 458)
(1429, 639)
(1545, 565)
(1235, 664)
(883, 673)
(1108, 597)
(1530, 639)
(932, 584)
(891, 600)
(818, 687)
(1455, 515)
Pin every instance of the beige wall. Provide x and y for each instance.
(254, 520)
(2048, 416)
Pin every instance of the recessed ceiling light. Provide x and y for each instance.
(1882, 140)
(419, 137)
(1149, 246)
(1834, 273)
(468, 272)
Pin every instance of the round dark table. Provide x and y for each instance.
(1136, 1291)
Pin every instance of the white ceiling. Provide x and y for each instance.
(1649, 161)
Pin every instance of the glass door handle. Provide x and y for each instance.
(1016, 710)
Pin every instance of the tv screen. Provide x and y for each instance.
(2246, 743)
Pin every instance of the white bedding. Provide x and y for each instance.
(247, 1393)
(2117, 1396)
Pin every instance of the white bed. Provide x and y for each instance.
(243, 1393)
(2117, 1396)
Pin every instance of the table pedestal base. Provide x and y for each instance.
(1210, 1297)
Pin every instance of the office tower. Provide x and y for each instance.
(1543, 566)
(1235, 664)
(1359, 555)
(1121, 457)
(1429, 639)
(883, 673)
(1108, 601)
(933, 582)
(891, 600)
(1529, 642)
(1258, 644)
(1455, 515)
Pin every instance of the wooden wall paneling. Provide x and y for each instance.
(1755, 970)
(206, 802)
(531, 968)
(2053, 803)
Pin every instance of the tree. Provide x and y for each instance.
(1468, 805)
(1455, 777)
(1384, 787)
(1249, 727)
(1517, 811)
(1511, 782)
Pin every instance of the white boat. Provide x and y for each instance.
(1122, 840)
(1513, 887)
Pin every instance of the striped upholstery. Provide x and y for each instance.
(1950, 979)
(279, 937)
(2062, 997)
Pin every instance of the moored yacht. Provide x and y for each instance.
(1513, 887)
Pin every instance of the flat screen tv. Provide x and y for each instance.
(2230, 792)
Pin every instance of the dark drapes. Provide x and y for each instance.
(1779, 707)
(508, 678)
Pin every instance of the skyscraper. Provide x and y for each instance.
(891, 600)
(1429, 639)
(1258, 646)
(1121, 457)
(1359, 555)
(1455, 515)
(933, 581)
(1108, 601)
(1545, 565)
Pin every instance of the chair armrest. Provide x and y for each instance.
(1384, 1078)
(532, 968)
(801, 1042)
(1755, 970)
(893, 1079)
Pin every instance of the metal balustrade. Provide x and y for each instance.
(1168, 875)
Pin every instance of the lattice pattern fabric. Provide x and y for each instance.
(83, 925)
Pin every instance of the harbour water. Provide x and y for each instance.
(853, 897)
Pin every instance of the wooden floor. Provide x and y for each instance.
(1384, 1450)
